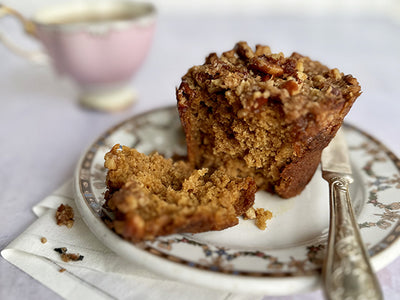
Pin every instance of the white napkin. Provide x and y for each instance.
(101, 274)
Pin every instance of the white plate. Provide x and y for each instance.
(286, 257)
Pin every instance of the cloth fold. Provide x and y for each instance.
(101, 274)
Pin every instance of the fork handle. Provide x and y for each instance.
(347, 272)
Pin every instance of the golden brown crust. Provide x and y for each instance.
(263, 115)
(152, 196)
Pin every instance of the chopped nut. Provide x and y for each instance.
(292, 87)
(244, 50)
(302, 76)
(336, 74)
(229, 54)
(65, 215)
(350, 80)
(262, 50)
(277, 56)
(213, 57)
(250, 214)
(265, 66)
(319, 79)
(43, 240)
(258, 103)
(300, 66)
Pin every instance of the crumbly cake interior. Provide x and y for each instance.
(263, 115)
(153, 196)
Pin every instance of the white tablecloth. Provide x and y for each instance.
(43, 131)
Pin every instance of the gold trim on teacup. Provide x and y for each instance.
(71, 16)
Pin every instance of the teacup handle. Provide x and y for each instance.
(38, 56)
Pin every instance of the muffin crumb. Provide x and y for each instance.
(66, 257)
(65, 215)
(262, 216)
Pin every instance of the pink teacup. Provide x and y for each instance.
(100, 45)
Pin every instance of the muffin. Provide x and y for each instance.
(258, 114)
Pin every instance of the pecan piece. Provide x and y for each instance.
(350, 80)
(211, 58)
(258, 104)
(336, 74)
(292, 87)
(263, 65)
(290, 66)
(262, 50)
(244, 51)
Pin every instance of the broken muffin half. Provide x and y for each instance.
(152, 196)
